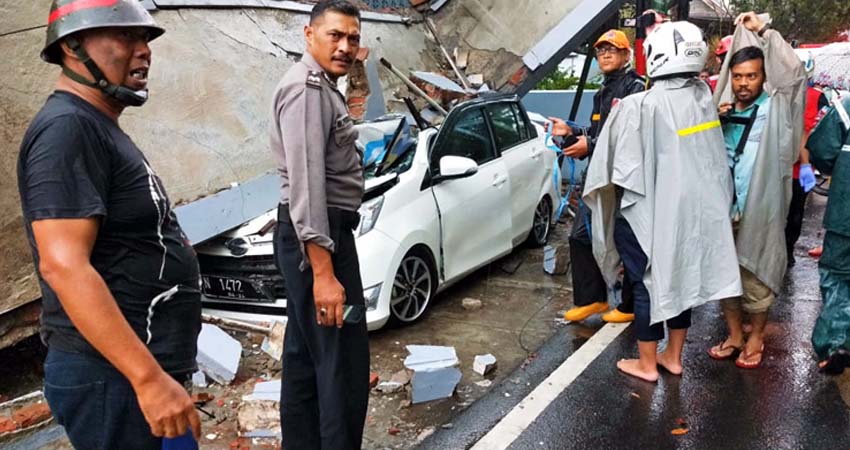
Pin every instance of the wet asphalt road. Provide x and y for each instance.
(786, 404)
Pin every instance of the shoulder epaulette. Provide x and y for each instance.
(314, 79)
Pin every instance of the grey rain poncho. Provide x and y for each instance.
(665, 149)
(761, 232)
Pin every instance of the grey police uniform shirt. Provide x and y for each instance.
(313, 140)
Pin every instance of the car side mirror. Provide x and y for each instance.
(454, 167)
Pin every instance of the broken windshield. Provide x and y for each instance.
(387, 146)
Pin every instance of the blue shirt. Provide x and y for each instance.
(733, 132)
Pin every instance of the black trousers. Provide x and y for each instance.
(325, 387)
(635, 262)
(796, 211)
(588, 284)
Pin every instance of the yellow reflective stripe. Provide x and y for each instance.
(596, 117)
(699, 128)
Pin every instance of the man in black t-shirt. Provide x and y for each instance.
(119, 279)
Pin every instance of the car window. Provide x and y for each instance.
(525, 127)
(468, 137)
(508, 130)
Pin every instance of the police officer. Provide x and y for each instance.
(119, 281)
(326, 359)
(590, 293)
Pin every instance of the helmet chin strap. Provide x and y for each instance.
(122, 94)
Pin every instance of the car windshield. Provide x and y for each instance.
(388, 147)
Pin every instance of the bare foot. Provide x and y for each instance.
(672, 365)
(633, 367)
(747, 328)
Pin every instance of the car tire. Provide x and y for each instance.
(414, 286)
(541, 225)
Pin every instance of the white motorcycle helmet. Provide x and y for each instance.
(675, 48)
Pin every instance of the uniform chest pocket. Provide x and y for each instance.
(343, 156)
(344, 133)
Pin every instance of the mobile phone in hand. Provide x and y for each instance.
(569, 141)
(353, 313)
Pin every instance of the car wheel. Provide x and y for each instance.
(542, 223)
(412, 289)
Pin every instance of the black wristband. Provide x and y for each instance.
(763, 29)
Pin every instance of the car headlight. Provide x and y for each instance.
(370, 295)
(369, 212)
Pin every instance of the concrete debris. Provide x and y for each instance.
(484, 364)
(258, 415)
(471, 304)
(402, 377)
(484, 383)
(556, 259)
(259, 419)
(199, 379)
(373, 380)
(267, 390)
(476, 79)
(218, 354)
(389, 387)
(425, 434)
(273, 342)
(461, 59)
(435, 374)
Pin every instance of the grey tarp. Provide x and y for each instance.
(664, 147)
(761, 233)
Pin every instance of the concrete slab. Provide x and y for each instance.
(218, 354)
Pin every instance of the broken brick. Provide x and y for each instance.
(31, 415)
(202, 397)
(373, 380)
(7, 425)
(393, 431)
(518, 76)
(220, 403)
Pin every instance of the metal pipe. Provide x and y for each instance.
(448, 57)
(413, 87)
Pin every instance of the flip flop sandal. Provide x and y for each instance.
(717, 355)
(744, 364)
(836, 363)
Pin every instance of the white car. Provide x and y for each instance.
(437, 207)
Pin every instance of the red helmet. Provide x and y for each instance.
(723, 46)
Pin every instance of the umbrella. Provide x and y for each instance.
(832, 66)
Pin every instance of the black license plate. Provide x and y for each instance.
(231, 288)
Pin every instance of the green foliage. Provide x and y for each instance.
(561, 80)
(808, 21)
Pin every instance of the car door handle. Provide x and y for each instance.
(499, 180)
